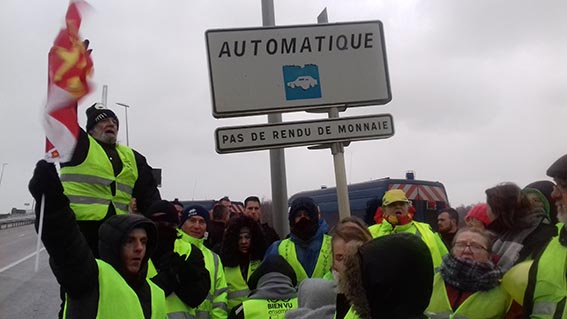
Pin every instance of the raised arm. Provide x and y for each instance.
(72, 261)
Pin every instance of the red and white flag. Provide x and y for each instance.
(69, 66)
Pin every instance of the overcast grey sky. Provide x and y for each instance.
(479, 92)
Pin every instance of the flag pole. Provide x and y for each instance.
(39, 232)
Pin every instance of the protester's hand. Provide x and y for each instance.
(165, 243)
(191, 269)
(86, 43)
(191, 272)
(45, 181)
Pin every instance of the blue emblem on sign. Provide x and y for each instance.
(301, 82)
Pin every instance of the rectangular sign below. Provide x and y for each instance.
(295, 68)
(265, 136)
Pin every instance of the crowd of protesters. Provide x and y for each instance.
(506, 259)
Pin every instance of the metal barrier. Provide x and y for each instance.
(9, 223)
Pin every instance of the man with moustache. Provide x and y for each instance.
(308, 248)
(102, 176)
(397, 219)
(547, 288)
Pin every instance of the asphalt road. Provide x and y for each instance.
(25, 293)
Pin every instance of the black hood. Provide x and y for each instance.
(112, 234)
(390, 277)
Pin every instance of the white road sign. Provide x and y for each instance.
(266, 136)
(294, 68)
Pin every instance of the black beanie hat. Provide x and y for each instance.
(559, 168)
(96, 113)
(162, 206)
(194, 210)
(306, 204)
(272, 263)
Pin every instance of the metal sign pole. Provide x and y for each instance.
(277, 156)
(338, 152)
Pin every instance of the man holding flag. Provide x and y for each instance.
(99, 176)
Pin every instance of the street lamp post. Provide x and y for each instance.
(2, 172)
(126, 107)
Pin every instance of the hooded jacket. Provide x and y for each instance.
(273, 282)
(389, 277)
(73, 263)
(316, 299)
(76, 269)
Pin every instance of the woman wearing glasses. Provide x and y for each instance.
(467, 284)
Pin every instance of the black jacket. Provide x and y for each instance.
(74, 264)
(145, 189)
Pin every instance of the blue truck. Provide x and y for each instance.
(427, 197)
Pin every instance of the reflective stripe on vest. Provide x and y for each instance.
(324, 261)
(237, 286)
(180, 315)
(271, 308)
(492, 304)
(88, 184)
(550, 288)
(113, 288)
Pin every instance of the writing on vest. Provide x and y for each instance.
(268, 308)
(280, 304)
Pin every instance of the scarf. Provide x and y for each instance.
(509, 244)
(469, 275)
(403, 220)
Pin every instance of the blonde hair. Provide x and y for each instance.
(351, 228)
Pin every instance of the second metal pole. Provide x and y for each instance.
(338, 152)
(277, 156)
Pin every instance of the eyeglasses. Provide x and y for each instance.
(460, 246)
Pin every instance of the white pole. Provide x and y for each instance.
(2, 173)
(338, 151)
(104, 95)
(126, 107)
(39, 232)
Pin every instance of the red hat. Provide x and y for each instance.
(479, 212)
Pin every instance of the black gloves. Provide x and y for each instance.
(193, 277)
(46, 181)
(189, 269)
(165, 242)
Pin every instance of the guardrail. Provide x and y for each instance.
(16, 222)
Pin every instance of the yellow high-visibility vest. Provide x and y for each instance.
(87, 185)
(324, 261)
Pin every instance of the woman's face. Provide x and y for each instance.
(244, 240)
(472, 246)
(339, 253)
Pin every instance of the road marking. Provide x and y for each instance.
(19, 261)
